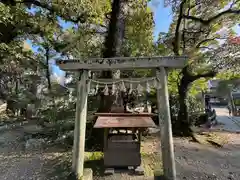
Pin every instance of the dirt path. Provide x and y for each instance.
(14, 162)
(204, 162)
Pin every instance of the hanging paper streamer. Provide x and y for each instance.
(89, 74)
(122, 87)
(116, 97)
(92, 92)
(89, 87)
(96, 89)
(148, 88)
(130, 89)
(105, 90)
(114, 89)
(140, 89)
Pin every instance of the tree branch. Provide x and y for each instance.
(81, 18)
(204, 47)
(176, 41)
(208, 21)
(204, 41)
(209, 74)
(207, 40)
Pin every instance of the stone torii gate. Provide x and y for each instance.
(123, 63)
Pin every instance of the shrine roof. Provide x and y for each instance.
(143, 114)
(124, 120)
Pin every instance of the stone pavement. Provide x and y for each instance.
(229, 123)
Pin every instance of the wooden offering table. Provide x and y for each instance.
(122, 139)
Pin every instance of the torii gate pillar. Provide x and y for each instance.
(80, 124)
(164, 116)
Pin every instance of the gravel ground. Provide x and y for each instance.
(193, 161)
(14, 162)
(202, 162)
(198, 161)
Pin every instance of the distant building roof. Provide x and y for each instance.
(213, 83)
(236, 95)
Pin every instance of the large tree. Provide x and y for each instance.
(40, 22)
(99, 28)
(126, 31)
(195, 32)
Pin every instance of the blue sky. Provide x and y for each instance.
(162, 18)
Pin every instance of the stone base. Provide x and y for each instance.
(139, 170)
(109, 171)
(87, 174)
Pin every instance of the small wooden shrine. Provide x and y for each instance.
(122, 139)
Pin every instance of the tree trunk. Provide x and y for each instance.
(16, 86)
(232, 104)
(47, 69)
(112, 46)
(48, 74)
(183, 124)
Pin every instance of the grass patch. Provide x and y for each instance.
(94, 160)
(60, 167)
(152, 164)
(151, 157)
(151, 161)
(89, 156)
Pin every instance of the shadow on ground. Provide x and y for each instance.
(59, 168)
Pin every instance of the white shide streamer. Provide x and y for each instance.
(121, 85)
